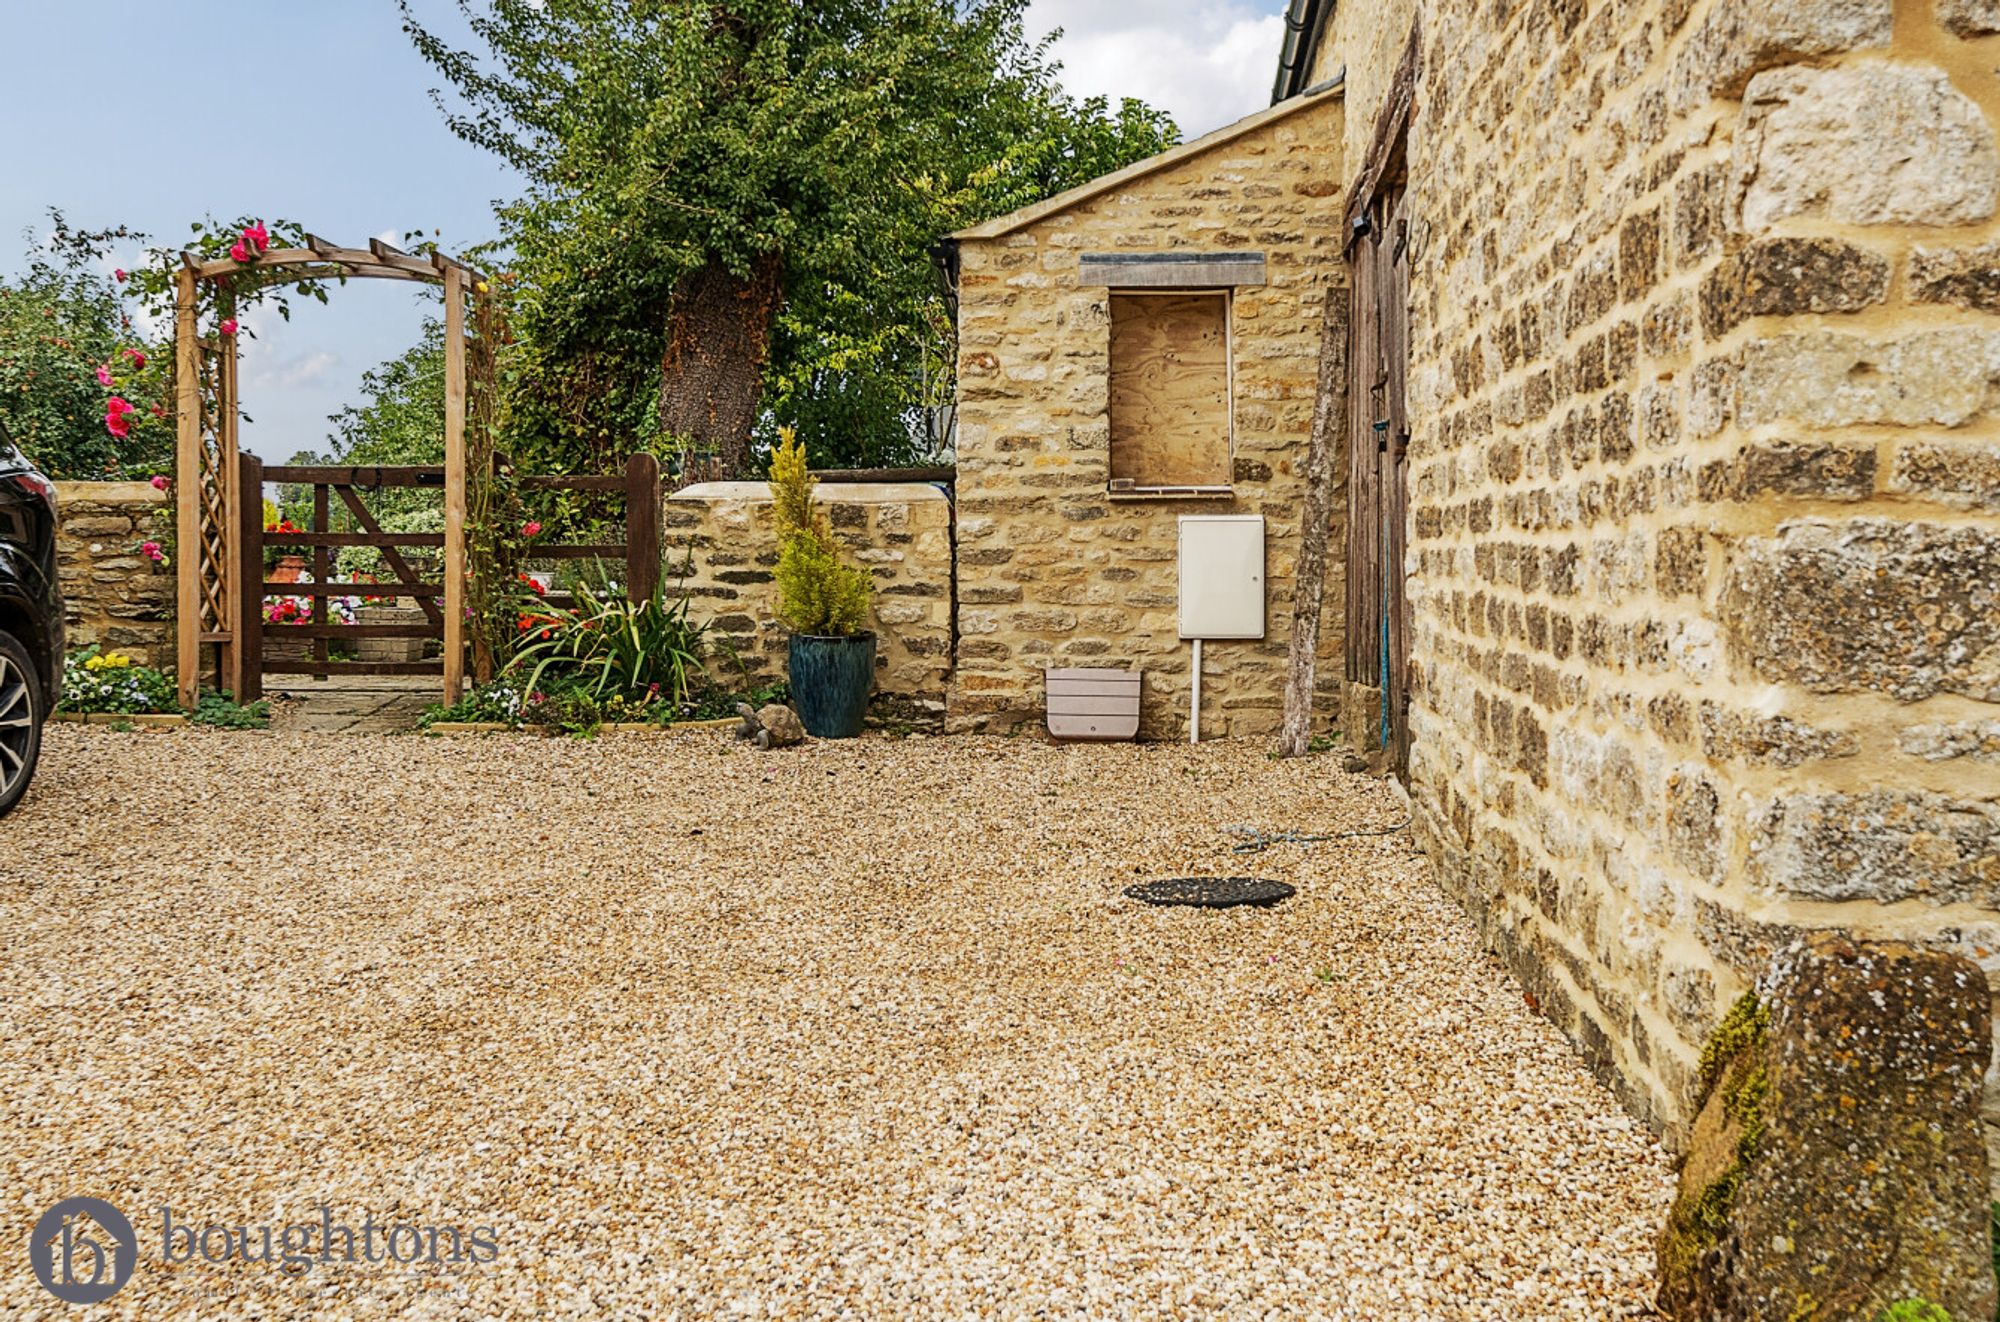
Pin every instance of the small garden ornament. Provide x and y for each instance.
(772, 726)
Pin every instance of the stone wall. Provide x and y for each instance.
(1705, 479)
(1052, 569)
(112, 595)
(719, 542)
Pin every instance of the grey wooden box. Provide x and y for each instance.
(1093, 704)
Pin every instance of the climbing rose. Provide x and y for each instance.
(138, 359)
(120, 274)
(151, 550)
(115, 424)
(116, 407)
(238, 253)
(103, 374)
(257, 236)
(160, 482)
(229, 326)
(531, 529)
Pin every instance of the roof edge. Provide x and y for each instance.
(1305, 28)
(1001, 226)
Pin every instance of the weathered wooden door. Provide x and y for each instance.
(1378, 466)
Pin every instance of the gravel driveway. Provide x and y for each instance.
(863, 1029)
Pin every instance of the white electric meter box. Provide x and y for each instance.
(1222, 576)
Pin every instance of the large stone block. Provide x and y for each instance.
(1966, 277)
(1870, 144)
(1870, 605)
(1881, 845)
(1964, 474)
(1969, 18)
(1944, 377)
(1740, 37)
(1787, 276)
(1837, 1166)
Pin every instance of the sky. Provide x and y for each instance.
(321, 114)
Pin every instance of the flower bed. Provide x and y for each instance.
(109, 683)
(106, 688)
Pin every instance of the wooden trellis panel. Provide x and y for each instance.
(205, 512)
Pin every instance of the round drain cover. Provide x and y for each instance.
(1211, 892)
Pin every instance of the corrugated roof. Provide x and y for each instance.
(1028, 215)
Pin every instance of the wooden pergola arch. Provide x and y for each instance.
(209, 515)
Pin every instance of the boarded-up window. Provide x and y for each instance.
(1170, 390)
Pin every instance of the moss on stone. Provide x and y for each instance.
(1741, 1029)
(1913, 1310)
(1698, 1224)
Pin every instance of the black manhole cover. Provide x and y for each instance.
(1211, 892)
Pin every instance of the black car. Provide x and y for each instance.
(31, 619)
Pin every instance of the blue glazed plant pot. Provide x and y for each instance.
(831, 678)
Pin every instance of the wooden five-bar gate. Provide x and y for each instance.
(638, 554)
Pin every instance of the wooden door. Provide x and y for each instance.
(1395, 296)
(1378, 467)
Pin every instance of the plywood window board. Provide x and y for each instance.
(1170, 391)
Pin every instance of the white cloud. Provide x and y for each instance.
(1205, 62)
(262, 371)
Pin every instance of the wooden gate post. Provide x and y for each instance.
(642, 527)
(454, 482)
(246, 679)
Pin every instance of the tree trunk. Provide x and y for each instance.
(1329, 426)
(718, 336)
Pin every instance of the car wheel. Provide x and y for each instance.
(22, 711)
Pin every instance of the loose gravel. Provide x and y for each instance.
(863, 1029)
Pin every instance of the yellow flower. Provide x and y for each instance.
(109, 661)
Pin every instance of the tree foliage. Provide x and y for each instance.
(831, 143)
(67, 347)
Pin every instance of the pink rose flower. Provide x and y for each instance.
(531, 529)
(116, 407)
(160, 482)
(115, 424)
(257, 236)
(229, 326)
(151, 550)
(120, 275)
(238, 253)
(104, 376)
(138, 359)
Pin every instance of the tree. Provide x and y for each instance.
(67, 350)
(713, 181)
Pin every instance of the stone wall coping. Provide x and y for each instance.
(846, 493)
(109, 493)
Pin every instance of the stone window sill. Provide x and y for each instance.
(1172, 493)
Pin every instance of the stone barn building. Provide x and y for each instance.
(1135, 350)
(1667, 494)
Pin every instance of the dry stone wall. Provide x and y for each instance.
(720, 544)
(1052, 571)
(1705, 488)
(112, 595)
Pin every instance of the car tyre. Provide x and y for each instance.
(23, 709)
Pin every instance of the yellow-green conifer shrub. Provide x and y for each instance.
(817, 595)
